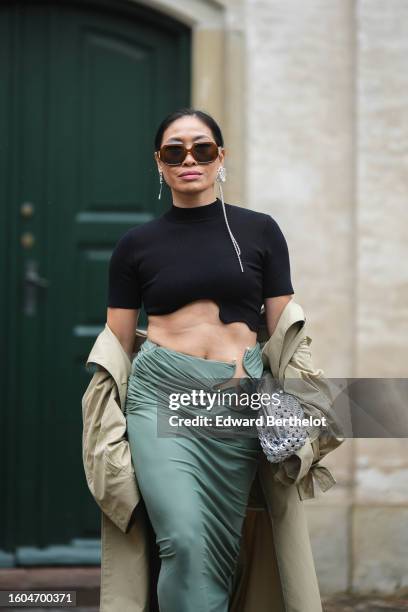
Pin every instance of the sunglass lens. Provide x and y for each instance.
(205, 151)
(172, 154)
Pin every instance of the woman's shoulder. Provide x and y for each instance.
(260, 219)
(258, 225)
(138, 233)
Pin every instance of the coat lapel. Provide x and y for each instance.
(278, 349)
(108, 352)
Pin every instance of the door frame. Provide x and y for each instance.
(218, 78)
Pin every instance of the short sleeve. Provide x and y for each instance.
(276, 270)
(123, 283)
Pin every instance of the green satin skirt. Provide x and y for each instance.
(195, 487)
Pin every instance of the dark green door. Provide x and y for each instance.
(83, 88)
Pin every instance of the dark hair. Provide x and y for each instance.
(187, 111)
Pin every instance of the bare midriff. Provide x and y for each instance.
(196, 329)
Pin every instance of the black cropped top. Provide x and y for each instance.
(186, 254)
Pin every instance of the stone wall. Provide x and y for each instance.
(327, 133)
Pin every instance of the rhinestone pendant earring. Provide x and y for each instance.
(161, 183)
(221, 174)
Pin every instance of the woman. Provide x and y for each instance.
(203, 270)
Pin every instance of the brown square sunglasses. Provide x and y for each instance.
(175, 154)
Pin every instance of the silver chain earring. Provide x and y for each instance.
(161, 183)
(221, 179)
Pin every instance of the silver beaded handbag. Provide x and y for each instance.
(280, 436)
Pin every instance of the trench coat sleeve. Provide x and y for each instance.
(105, 451)
(288, 355)
(312, 388)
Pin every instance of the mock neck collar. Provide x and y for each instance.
(194, 213)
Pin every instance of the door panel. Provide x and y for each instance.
(87, 88)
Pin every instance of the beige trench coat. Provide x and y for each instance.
(276, 571)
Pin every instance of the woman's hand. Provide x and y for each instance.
(273, 310)
(123, 322)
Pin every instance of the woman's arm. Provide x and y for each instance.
(277, 284)
(123, 322)
(273, 310)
